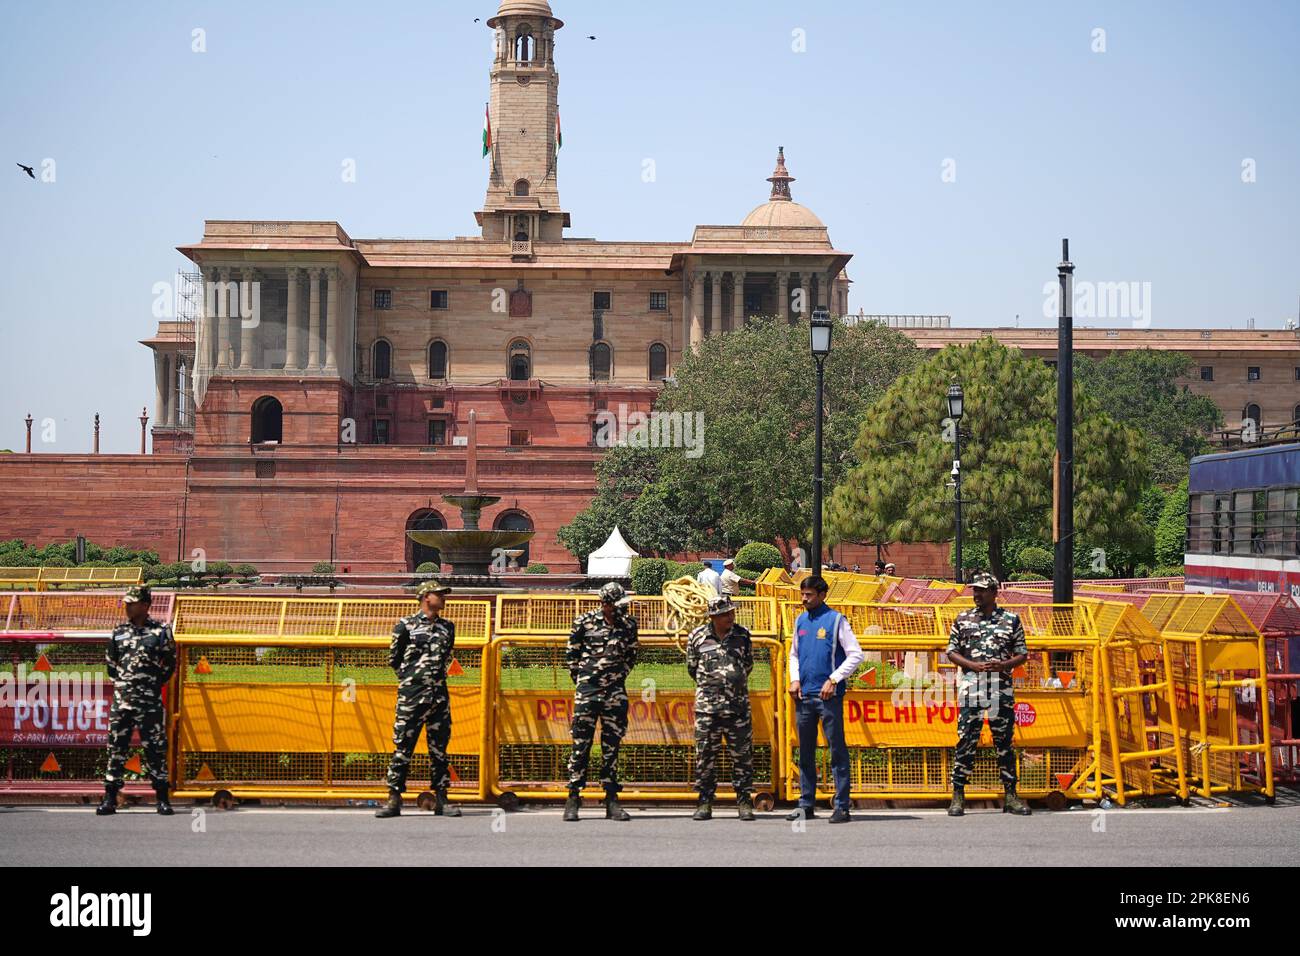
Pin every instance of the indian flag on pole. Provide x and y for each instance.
(487, 130)
(559, 138)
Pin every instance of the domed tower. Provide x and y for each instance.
(523, 195)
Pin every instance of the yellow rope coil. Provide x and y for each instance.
(686, 606)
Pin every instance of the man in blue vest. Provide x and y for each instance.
(824, 652)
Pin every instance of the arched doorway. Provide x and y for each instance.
(268, 421)
(416, 554)
(515, 521)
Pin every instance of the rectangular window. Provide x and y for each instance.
(1207, 373)
(659, 303)
(1222, 524)
(1297, 373)
(437, 431)
(381, 431)
(754, 302)
(600, 300)
(1242, 508)
(1252, 373)
(518, 436)
(438, 299)
(383, 298)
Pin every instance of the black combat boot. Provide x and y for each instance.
(109, 803)
(745, 807)
(612, 810)
(393, 808)
(442, 807)
(164, 804)
(704, 811)
(1013, 804)
(958, 806)
(571, 806)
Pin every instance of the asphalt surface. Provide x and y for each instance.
(1240, 834)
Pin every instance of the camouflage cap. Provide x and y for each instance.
(431, 587)
(613, 592)
(720, 605)
(137, 593)
(984, 580)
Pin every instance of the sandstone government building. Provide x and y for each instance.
(336, 420)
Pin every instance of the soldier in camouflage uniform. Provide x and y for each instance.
(987, 643)
(141, 659)
(420, 653)
(601, 653)
(719, 658)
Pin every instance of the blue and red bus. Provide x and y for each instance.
(1243, 526)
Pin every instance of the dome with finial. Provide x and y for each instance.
(524, 8)
(780, 209)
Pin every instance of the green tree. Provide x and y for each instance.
(900, 490)
(750, 479)
(1171, 530)
(1142, 388)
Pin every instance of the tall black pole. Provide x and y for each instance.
(1063, 556)
(956, 474)
(817, 481)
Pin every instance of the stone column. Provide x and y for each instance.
(697, 308)
(830, 293)
(292, 316)
(223, 320)
(738, 300)
(210, 277)
(332, 319)
(174, 386)
(783, 296)
(247, 295)
(313, 319)
(715, 324)
(160, 387)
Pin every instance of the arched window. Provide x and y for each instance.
(519, 363)
(416, 553)
(601, 361)
(521, 187)
(1252, 412)
(515, 521)
(268, 420)
(658, 363)
(437, 359)
(524, 44)
(1295, 415)
(383, 360)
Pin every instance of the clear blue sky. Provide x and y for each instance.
(1135, 153)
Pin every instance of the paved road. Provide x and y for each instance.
(1241, 835)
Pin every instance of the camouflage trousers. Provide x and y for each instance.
(710, 729)
(428, 708)
(124, 717)
(609, 706)
(1002, 725)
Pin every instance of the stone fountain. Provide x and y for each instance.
(468, 549)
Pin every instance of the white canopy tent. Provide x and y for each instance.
(613, 559)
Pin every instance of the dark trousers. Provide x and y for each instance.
(830, 714)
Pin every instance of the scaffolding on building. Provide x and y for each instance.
(189, 311)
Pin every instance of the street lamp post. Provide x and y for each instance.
(820, 345)
(956, 403)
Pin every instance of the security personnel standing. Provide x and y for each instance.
(987, 642)
(719, 658)
(601, 653)
(141, 659)
(420, 653)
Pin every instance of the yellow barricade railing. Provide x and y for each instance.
(900, 710)
(42, 578)
(531, 734)
(1214, 653)
(71, 611)
(320, 620)
(311, 718)
(542, 614)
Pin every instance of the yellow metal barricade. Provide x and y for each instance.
(76, 612)
(536, 615)
(1136, 681)
(42, 578)
(531, 726)
(1215, 654)
(900, 710)
(765, 584)
(281, 698)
